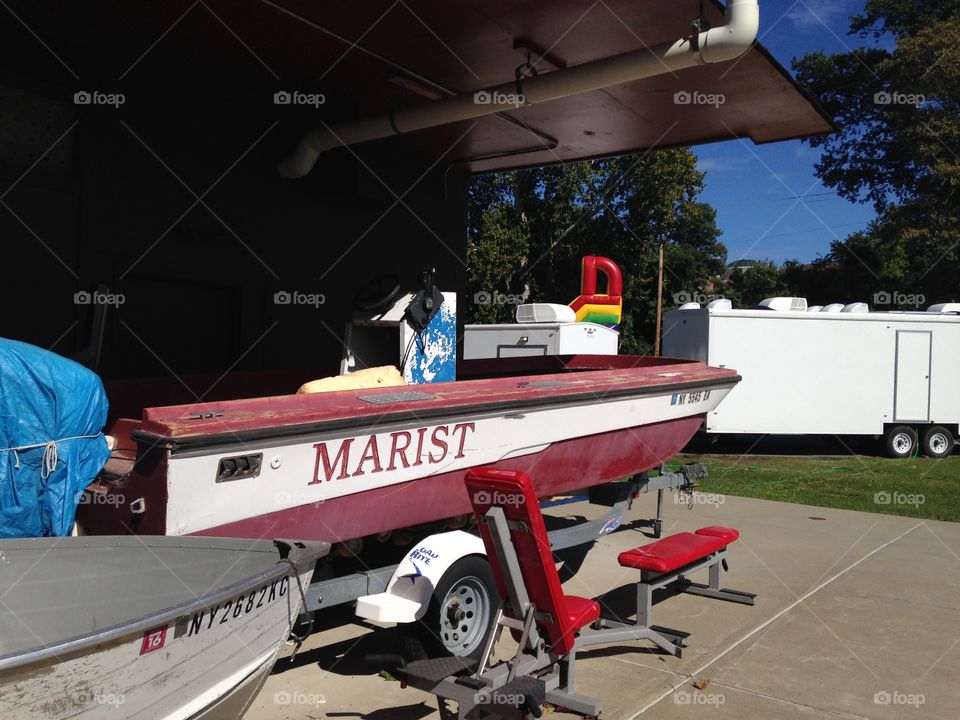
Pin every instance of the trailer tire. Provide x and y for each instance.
(937, 442)
(901, 441)
(466, 593)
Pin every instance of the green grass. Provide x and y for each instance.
(847, 483)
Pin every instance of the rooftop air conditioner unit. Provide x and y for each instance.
(545, 313)
(785, 304)
(833, 308)
(857, 307)
(944, 308)
(720, 304)
(690, 306)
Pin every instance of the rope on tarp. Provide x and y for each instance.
(51, 454)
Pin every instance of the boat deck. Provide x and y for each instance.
(853, 610)
(499, 386)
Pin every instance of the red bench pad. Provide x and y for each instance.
(721, 531)
(581, 611)
(671, 552)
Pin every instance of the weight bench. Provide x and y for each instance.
(550, 626)
(668, 562)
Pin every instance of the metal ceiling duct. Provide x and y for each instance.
(715, 45)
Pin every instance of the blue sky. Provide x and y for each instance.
(754, 187)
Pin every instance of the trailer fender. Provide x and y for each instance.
(408, 593)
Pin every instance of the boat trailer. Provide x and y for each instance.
(618, 496)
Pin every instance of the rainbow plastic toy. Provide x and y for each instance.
(601, 308)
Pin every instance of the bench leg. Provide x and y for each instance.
(678, 637)
(737, 596)
(580, 704)
(644, 603)
(609, 631)
(568, 671)
(671, 641)
(713, 590)
(564, 696)
(715, 572)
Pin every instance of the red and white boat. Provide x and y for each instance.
(343, 465)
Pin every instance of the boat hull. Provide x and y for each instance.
(346, 465)
(234, 704)
(206, 658)
(559, 468)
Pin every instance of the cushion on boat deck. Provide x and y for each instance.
(383, 376)
(729, 534)
(671, 552)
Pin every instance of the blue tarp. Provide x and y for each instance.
(52, 413)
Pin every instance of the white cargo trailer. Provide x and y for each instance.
(837, 370)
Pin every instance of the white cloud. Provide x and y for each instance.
(721, 164)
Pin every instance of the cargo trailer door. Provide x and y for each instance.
(911, 389)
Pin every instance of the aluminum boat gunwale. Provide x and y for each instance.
(296, 553)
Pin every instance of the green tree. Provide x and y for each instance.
(529, 229)
(497, 247)
(819, 282)
(898, 147)
(761, 280)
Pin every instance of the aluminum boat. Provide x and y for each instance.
(144, 628)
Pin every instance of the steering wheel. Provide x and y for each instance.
(378, 294)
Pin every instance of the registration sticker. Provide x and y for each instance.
(153, 640)
(689, 398)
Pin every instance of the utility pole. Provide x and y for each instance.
(656, 343)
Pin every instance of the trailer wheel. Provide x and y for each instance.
(937, 442)
(901, 441)
(460, 615)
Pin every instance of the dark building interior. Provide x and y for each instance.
(139, 145)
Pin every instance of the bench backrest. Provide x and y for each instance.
(513, 492)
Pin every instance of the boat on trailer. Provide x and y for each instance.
(147, 628)
(343, 465)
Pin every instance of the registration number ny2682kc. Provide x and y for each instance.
(238, 607)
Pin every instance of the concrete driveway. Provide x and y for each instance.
(857, 616)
